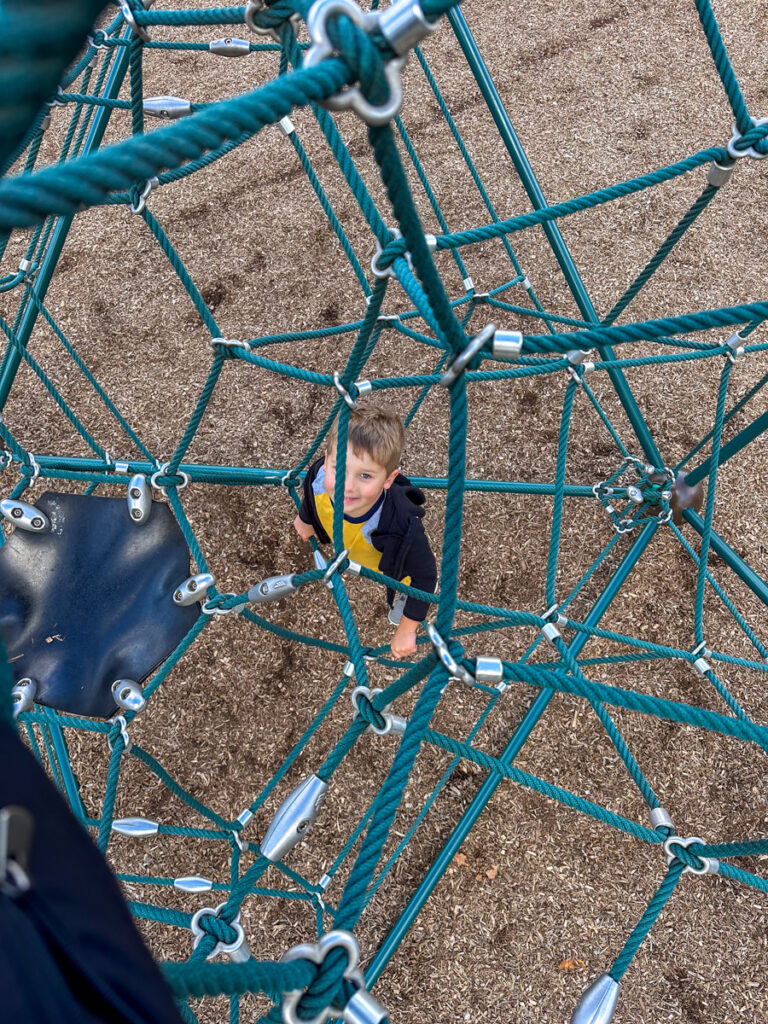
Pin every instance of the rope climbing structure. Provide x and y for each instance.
(574, 464)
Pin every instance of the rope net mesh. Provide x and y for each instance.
(619, 621)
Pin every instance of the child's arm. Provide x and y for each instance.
(420, 566)
(306, 523)
(304, 530)
(404, 641)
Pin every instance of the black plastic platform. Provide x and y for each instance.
(92, 601)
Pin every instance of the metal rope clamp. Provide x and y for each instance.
(455, 670)
(362, 1008)
(334, 565)
(237, 951)
(709, 865)
(462, 360)
(130, 21)
(140, 205)
(25, 516)
(212, 605)
(389, 271)
(402, 25)
(737, 154)
(23, 695)
(362, 387)
(120, 721)
(735, 347)
(227, 343)
(254, 7)
(392, 723)
(185, 478)
(34, 465)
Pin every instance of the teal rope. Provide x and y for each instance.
(723, 65)
(646, 922)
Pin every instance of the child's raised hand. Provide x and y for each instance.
(404, 640)
(303, 529)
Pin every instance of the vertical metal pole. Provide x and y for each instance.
(59, 235)
(486, 791)
(551, 229)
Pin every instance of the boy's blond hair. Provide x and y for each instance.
(373, 431)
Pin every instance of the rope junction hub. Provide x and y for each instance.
(646, 497)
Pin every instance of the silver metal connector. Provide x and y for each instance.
(193, 589)
(294, 818)
(274, 588)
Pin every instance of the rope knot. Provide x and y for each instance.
(364, 60)
(267, 19)
(362, 702)
(338, 957)
(339, 28)
(681, 850)
(753, 143)
(386, 255)
(218, 928)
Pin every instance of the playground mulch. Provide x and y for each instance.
(539, 899)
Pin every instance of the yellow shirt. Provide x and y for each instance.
(356, 534)
(357, 544)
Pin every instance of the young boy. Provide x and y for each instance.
(382, 514)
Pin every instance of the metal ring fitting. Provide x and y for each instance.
(234, 950)
(208, 608)
(316, 953)
(661, 819)
(379, 271)
(322, 47)
(507, 345)
(461, 361)
(362, 387)
(56, 101)
(737, 154)
(404, 26)
(128, 695)
(709, 865)
(130, 21)
(99, 35)
(720, 174)
(392, 723)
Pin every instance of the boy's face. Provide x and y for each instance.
(364, 482)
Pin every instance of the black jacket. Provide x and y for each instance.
(400, 537)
